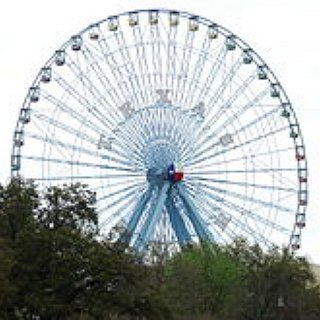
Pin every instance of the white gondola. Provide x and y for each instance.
(153, 17)
(247, 56)
(285, 110)
(301, 221)
(303, 175)
(275, 90)
(113, 24)
(193, 24)
(294, 131)
(213, 31)
(94, 32)
(262, 72)
(133, 19)
(25, 115)
(34, 93)
(295, 242)
(60, 57)
(15, 162)
(303, 197)
(76, 43)
(18, 138)
(46, 74)
(230, 43)
(173, 18)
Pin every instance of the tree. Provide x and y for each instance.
(205, 282)
(277, 283)
(7, 288)
(69, 206)
(19, 201)
(55, 265)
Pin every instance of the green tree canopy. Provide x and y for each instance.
(55, 265)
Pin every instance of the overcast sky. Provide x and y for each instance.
(284, 32)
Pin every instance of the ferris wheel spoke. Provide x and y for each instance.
(132, 136)
(66, 129)
(142, 45)
(248, 157)
(95, 142)
(227, 79)
(243, 171)
(67, 109)
(45, 137)
(258, 163)
(245, 127)
(196, 178)
(229, 212)
(208, 212)
(141, 60)
(100, 102)
(129, 66)
(209, 155)
(215, 68)
(176, 65)
(125, 199)
(88, 86)
(207, 136)
(95, 60)
(117, 193)
(129, 148)
(256, 218)
(170, 57)
(229, 103)
(252, 214)
(156, 54)
(128, 174)
(231, 120)
(68, 147)
(225, 232)
(128, 163)
(232, 219)
(104, 64)
(117, 215)
(118, 155)
(196, 73)
(240, 196)
(114, 67)
(186, 47)
(83, 101)
(184, 66)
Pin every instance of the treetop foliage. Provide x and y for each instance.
(55, 265)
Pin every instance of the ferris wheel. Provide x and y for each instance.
(178, 125)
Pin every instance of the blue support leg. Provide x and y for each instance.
(135, 217)
(177, 223)
(152, 219)
(199, 225)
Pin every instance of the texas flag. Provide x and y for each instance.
(175, 173)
